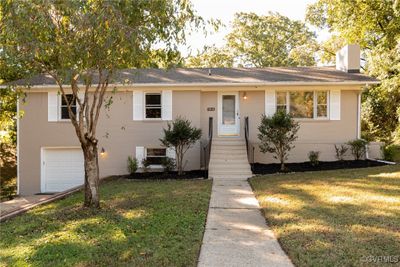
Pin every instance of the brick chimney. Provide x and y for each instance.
(348, 59)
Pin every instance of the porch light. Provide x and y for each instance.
(102, 152)
(245, 96)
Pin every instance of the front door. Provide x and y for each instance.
(228, 114)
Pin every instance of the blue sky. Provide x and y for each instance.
(225, 10)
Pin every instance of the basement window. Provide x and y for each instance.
(155, 156)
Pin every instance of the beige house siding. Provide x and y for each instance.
(119, 135)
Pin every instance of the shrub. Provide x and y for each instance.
(313, 156)
(180, 135)
(132, 165)
(340, 152)
(145, 164)
(168, 164)
(392, 152)
(358, 148)
(277, 133)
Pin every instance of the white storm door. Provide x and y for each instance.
(228, 113)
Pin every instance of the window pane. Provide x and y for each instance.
(322, 111)
(281, 108)
(154, 160)
(301, 104)
(69, 97)
(153, 99)
(153, 113)
(64, 112)
(281, 98)
(322, 97)
(156, 152)
(228, 110)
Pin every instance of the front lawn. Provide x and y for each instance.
(150, 223)
(334, 218)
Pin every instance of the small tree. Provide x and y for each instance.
(277, 133)
(180, 135)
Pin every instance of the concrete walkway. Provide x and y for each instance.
(21, 203)
(236, 233)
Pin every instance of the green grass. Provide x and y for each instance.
(334, 218)
(149, 223)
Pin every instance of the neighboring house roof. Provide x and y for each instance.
(192, 76)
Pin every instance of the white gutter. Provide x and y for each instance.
(217, 84)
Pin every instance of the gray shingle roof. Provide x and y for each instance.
(225, 75)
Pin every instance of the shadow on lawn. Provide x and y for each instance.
(132, 228)
(314, 230)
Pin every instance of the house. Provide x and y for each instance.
(326, 102)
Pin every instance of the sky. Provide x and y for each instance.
(224, 10)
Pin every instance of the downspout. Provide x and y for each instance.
(358, 135)
(18, 190)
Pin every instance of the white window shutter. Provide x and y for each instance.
(170, 152)
(270, 103)
(140, 155)
(334, 104)
(138, 103)
(166, 105)
(52, 106)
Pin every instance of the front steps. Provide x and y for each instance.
(228, 159)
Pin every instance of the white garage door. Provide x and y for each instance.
(62, 169)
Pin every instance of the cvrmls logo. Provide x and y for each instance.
(381, 259)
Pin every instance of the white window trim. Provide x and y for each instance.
(144, 106)
(155, 166)
(59, 106)
(315, 104)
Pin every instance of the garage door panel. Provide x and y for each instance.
(63, 169)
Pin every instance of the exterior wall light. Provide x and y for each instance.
(245, 96)
(102, 152)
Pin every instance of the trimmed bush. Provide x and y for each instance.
(277, 133)
(168, 164)
(313, 156)
(132, 165)
(392, 152)
(358, 148)
(145, 164)
(340, 151)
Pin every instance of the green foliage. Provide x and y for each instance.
(277, 133)
(211, 57)
(168, 164)
(8, 171)
(8, 114)
(180, 135)
(261, 41)
(358, 148)
(132, 165)
(145, 223)
(270, 41)
(375, 25)
(313, 156)
(391, 152)
(146, 164)
(340, 151)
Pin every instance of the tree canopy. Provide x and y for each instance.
(75, 41)
(262, 41)
(375, 25)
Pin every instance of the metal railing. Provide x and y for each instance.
(248, 144)
(207, 147)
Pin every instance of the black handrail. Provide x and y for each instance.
(246, 136)
(207, 147)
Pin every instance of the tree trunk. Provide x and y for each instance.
(179, 160)
(91, 175)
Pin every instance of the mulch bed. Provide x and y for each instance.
(259, 168)
(170, 175)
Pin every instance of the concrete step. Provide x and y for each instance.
(221, 160)
(213, 173)
(228, 148)
(228, 143)
(240, 165)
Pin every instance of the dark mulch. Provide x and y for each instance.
(170, 175)
(259, 168)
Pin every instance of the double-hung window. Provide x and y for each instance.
(64, 115)
(153, 106)
(155, 156)
(303, 104)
